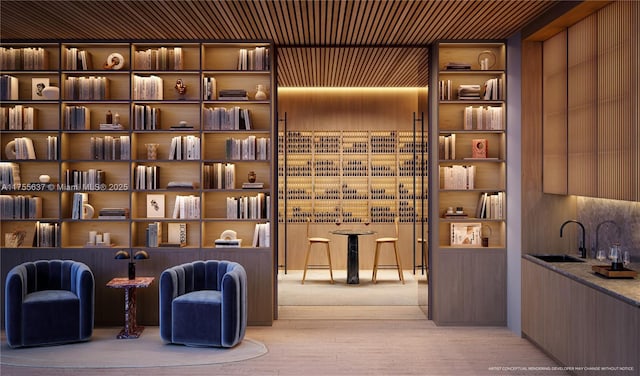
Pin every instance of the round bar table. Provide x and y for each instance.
(353, 266)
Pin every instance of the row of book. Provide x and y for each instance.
(18, 118)
(9, 175)
(163, 58)
(219, 176)
(209, 89)
(86, 88)
(147, 88)
(146, 177)
(184, 148)
(110, 148)
(145, 117)
(20, 207)
(25, 58)
(256, 59)
(77, 118)
(77, 59)
(458, 176)
(46, 235)
(186, 207)
(491, 90)
(9, 88)
(220, 118)
(80, 199)
(483, 118)
(23, 148)
(250, 148)
(249, 207)
(89, 180)
(491, 205)
(447, 147)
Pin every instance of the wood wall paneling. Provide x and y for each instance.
(582, 122)
(618, 98)
(554, 109)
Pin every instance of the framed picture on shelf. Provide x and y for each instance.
(466, 234)
(37, 87)
(155, 206)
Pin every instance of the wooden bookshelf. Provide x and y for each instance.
(87, 86)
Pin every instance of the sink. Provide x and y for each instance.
(558, 258)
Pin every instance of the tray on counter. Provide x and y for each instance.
(606, 271)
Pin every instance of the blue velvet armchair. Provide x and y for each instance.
(204, 303)
(49, 302)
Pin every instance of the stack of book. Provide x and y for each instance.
(469, 92)
(113, 213)
(233, 95)
(457, 66)
(221, 243)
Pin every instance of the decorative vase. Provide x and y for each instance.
(51, 93)
(252, 177)
(261, 95)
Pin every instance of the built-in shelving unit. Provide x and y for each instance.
(351, 176)
(468, 197)
(117, 99)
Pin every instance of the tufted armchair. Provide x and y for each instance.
(49, 302)
(204, 303)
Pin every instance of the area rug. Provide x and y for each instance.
(105, 351)
(317, 291)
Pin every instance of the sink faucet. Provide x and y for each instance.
(598, 231)
(582, 247)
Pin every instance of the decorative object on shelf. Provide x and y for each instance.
(261, 93)
(486, 60)
(181, 88)
(465, 234)
(51, 93)
(44, 178)
(37, 87)
(97, 239)
(152, 151)
(124, 255)
(228, 238)
(251, 176)
(87, 211)
(479, 148)
(108, 117)
(115, 61)
(486, 233)
(155, 206)
(14, 239)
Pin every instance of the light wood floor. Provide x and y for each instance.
(380, 341)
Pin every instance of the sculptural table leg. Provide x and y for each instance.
(130, 330)
(352, 260)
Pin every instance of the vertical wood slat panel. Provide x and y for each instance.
(554, 109)
(582, 108)
(618, 102)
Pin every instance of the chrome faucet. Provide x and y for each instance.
(619, 230)
(582, 247)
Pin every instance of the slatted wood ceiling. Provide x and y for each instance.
(320, 43)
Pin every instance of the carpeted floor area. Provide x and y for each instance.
(105, 351)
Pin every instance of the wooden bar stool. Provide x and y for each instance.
(315, 240)
(394, 242)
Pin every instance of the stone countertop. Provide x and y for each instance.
(625, 289)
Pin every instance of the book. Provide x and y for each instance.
(177, 233)
(466, 234)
